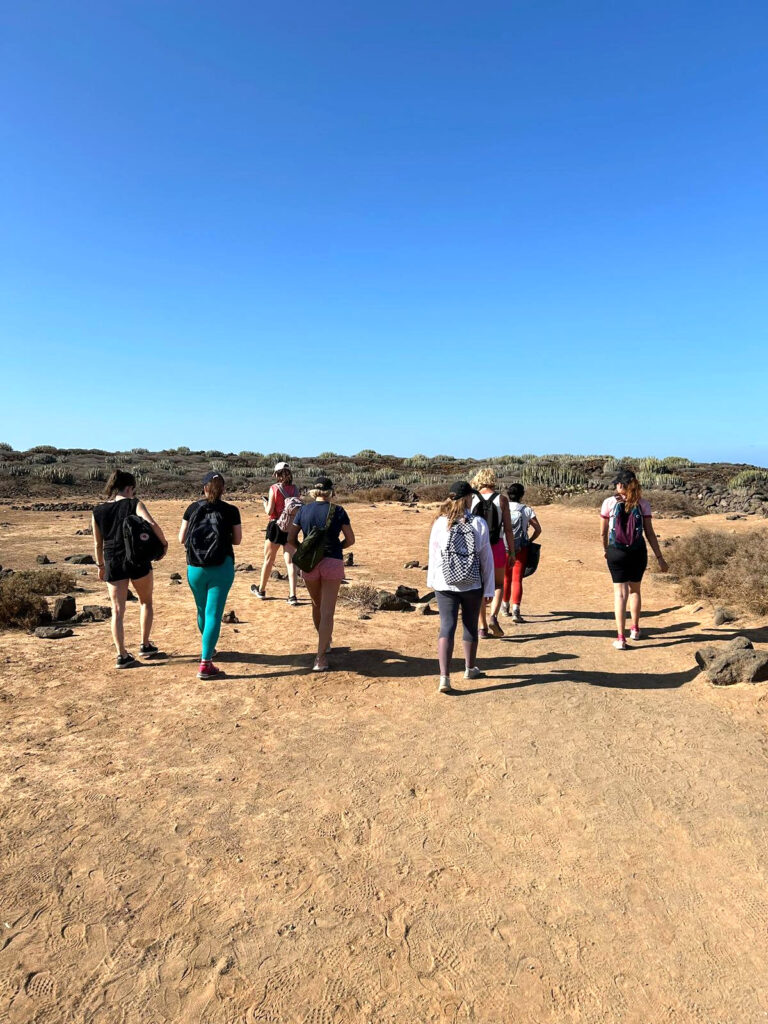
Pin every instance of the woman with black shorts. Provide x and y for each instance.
(279, 493)
(114, 567)
(625, 523)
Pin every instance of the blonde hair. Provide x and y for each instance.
(316, 493)
(214, 489)
(484, 477)
(454, 509)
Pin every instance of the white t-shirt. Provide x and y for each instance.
(438, 540)
(497, 503)
(524, 512)
(610, 504)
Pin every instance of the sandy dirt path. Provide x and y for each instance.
(580, 837)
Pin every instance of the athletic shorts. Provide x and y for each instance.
(499, 555)
(275, 534)
(114, 572)
(627, 566)
(326, 569)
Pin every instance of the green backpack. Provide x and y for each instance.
(311, 551)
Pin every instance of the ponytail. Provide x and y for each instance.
(214, 490)
(118, 481)
(632, 500)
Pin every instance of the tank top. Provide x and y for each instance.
(109, 519)
(287, 491)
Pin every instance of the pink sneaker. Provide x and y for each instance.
(634, 634)
(208, 670)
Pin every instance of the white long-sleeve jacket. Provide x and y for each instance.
(437, 542)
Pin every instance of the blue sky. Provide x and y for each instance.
(432, 227)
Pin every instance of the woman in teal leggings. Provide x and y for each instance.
(209, 529)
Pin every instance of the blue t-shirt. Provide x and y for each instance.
(316, 514)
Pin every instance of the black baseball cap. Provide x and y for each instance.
(323, 483)
(212, 476)
(460, 490)
(625, 476)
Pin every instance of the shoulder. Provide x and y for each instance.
(233, 511)
(529, 512)
(608, 506)
(190, 509)
(479, 524)
(342, 512)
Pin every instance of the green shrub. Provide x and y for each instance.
(55, 474)
(96, 474)
(367, 454)
(5, 447)
(44, 448)
(754, 479)
(251, 455)
(661, 481)
(139, 451)
(676, 462)
(41, 459)
(17, 469)
(327, 456)
(219, 466)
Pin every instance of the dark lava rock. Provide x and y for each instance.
(80, 559)
(176, 576)
(426, 609)
(64, 608)
(43, 560)
(86, 532)
(349, 558)
(722, 615)
(738, 662)
(243, 567)
(53, 632)
(414, 564)
(409, 594)
(230, 618)
(387, 602)
(277, 575)
(96, 612)
(130, 596)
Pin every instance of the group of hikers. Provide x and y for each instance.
(482, 545)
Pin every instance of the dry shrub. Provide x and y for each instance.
(723, 568)
(46, 581)
(360, 595)
(373, 494)
(20, 606)
(661, 501)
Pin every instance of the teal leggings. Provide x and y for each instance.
(210, 585)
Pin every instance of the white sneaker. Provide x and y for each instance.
(474, 673)
(516, 616)
(445, 684)
(620, 645)
(634, 634)
(505, 609)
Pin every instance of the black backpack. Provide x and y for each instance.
(142, 544)
(487, 508)
(311, 551)
(208, 536)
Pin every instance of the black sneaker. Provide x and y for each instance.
(148, 650)
(125, 661)
(293, 601)
(258, 593)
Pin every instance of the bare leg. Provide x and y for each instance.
(143, 588)
(329, 592)
(498, 592)
(314, 591)
(117, 597)
(291, 570)
(620, 596)
(270, 554)
(635, 604)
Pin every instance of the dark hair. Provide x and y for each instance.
(118, 481)
(214, 488)
(286, 474)
(627, 478)
(516, 491)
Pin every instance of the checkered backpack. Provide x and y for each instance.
(460, 561)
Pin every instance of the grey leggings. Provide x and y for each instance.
(448, 604)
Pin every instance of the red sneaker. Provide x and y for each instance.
(208, 670)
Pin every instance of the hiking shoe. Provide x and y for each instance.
(494, 628)
(516, 616)
(293, 601)
(208, 670)
(620, 644)
(148, 650)
(125, 661)
(444, 686)
(505, 609)
(634, 634)
(258, 593)
(474, 673)
(483, 634)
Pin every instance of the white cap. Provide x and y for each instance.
(280, 467)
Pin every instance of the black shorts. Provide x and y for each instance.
(275, 534)
(114, 572)
(627, 566)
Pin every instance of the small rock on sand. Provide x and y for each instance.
(43, 560)
(80, 559)
(230, 618)
(64, 608)
(53, 632)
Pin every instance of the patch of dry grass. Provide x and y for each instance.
(723, 568)
(363, 596)
(22, 596)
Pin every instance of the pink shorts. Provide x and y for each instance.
(327, 569)
(499, 555)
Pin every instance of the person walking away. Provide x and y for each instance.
(209, 529)
(461, 572)
(281, 506)
(115, 566)
(324, 580)
(625, 523)
(494, 509)
(523, 518)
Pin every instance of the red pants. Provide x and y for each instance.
(513, 577)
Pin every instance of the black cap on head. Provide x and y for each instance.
(460, 490)
(625, 476)
(212, 476)
(323, 483)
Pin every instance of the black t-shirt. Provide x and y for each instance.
(316, 514)
(230, 514)
(110, 518)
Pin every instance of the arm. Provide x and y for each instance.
(349, 536)
(237, 534)
(653, 540)
(487, 571)
(183, 530)
(293, 538)
(604, 532)
(98, 546)
(506, 525)
(141, 509)
(269, 503)
(534, 522)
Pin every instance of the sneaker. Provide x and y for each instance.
(483, 634)
(293, 601)
(505, 609)
(474, 673)
(444, 686)
(148, 650)
(620, 644)
(516, 616)
(125, 661)
(208, 670)
(634, 634)
(258, 593)
(494, 628)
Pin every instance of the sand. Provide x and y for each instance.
(579, 837)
